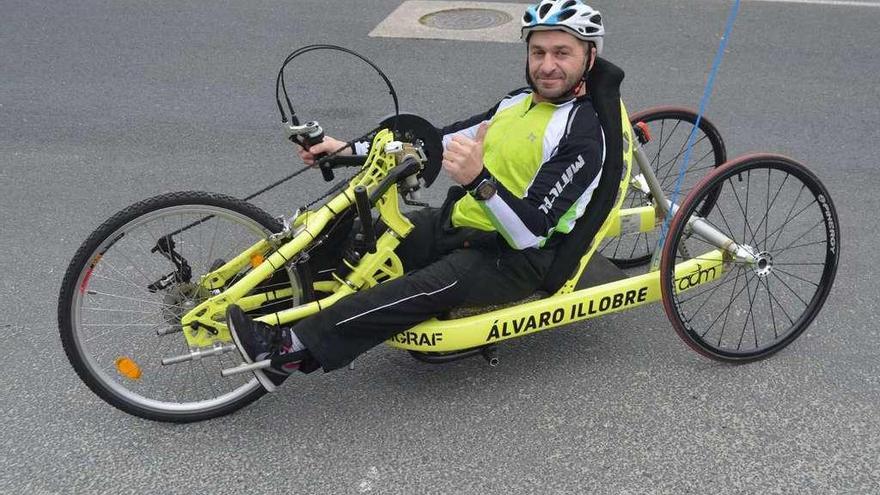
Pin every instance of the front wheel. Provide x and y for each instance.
(781, 215)
(122, 299)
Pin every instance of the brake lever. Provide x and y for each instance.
(311, 128)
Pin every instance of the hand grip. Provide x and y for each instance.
(312, 139)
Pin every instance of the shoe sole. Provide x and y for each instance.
(261, 377)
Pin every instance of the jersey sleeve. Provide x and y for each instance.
(560, 191)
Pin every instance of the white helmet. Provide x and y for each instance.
(572, 16)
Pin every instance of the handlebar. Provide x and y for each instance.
(340, 161)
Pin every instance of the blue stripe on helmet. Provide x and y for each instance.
(533, 10)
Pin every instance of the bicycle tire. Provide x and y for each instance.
(801, 263)
(632, 250)
(78, 286)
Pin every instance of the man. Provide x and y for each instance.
(529, 165)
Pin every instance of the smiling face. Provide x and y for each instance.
(557, 61)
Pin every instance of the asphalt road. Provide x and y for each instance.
(106, 102)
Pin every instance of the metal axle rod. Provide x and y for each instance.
(199, 353)
(246, 368)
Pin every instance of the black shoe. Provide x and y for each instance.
(258, 341)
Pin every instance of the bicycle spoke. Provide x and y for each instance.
(723, 312)
(706, 292)
(746, 212)
(790, 319)
(112, 329)
(724, 219)
(662, 144)
(797, 277)
(789, 288)
(635, 245)
(681, 150)
(776, 263)
(745, 215)
(789, 248)
(119, 310)
(788, 215)
(730, 305)
(771, 205)
(674, 173)
(748, 315)
(122, 325)
(798, 238)
(106, 263)
(669, 164)
(779, 229)
(770, 305)
(765, 220)
(616, 247)
(210, 259)
(93, 292)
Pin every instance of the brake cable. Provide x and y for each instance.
(281, 88)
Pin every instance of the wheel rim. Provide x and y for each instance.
(114, 317)
(670, 129)
(790, 228)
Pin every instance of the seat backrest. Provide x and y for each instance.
(574, 252)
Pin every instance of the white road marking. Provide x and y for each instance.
(404, 21)
(839, 3)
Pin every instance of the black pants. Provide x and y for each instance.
(446, 268)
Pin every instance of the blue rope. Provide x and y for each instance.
(707, 92)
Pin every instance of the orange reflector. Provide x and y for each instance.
(257, 259)
(645, 136)
(128, 368)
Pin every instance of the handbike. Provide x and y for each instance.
(749, 258)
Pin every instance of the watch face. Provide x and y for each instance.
(486, 190)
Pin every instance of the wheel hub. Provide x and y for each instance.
(180, 299)
(763, 264)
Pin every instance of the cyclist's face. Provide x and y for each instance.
(557, 61)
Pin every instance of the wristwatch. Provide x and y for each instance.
(484, 190)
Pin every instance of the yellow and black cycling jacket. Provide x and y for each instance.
(546, 160)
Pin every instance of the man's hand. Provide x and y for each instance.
(328, 145)
(463, 157)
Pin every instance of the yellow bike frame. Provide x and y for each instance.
(204, 325)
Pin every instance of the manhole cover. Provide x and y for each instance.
(465, 19)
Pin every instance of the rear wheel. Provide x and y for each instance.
(669, 128)
(777, 211)
(121, 302)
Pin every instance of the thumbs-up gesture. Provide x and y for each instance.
(463, 157)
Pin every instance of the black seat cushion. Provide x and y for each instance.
(603, 83)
